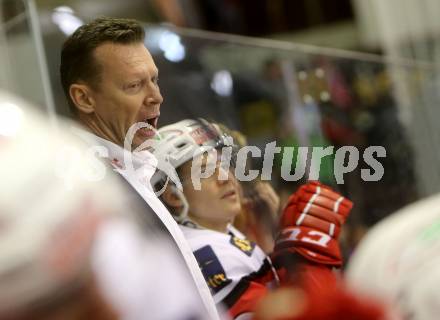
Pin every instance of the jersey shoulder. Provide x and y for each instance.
(224, 259)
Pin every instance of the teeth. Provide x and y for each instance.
(151, 121)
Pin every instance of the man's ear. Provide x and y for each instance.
(81, 96)
(171, 198)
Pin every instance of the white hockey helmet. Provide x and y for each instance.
(399, 261)
(178, 143)
(47, 224)
(183, 141)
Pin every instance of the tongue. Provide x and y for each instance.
(148, 132)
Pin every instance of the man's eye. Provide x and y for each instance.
(208, 169)
(155, 80)
(134, 85)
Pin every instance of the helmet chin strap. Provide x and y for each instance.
(182, 217)
(183, 214)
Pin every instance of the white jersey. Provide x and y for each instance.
(229, 263)
(137, 170)
(127, 264)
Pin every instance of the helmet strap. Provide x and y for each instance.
(183, 214)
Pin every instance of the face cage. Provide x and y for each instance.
(227, 164)
(223, 140)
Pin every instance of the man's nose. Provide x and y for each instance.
(154, 96)
(223, 175)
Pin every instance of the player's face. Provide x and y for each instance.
(128, 91)
(217, 202)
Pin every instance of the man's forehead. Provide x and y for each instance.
(132, 55)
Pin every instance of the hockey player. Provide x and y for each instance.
(237, 271)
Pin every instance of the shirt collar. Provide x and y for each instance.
(119, 157)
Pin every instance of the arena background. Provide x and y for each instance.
(302, 73)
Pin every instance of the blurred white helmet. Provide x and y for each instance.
(399, 261)
(47, 225)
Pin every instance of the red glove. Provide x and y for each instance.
(311, 223)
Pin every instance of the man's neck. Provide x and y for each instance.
(101, 131)
(220, 226)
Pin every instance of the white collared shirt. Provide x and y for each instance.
(138, 168)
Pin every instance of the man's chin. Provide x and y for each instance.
(233, 210)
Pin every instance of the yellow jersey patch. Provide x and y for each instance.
(243, 245)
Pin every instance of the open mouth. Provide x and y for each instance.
(149, 131)
(152, 121)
